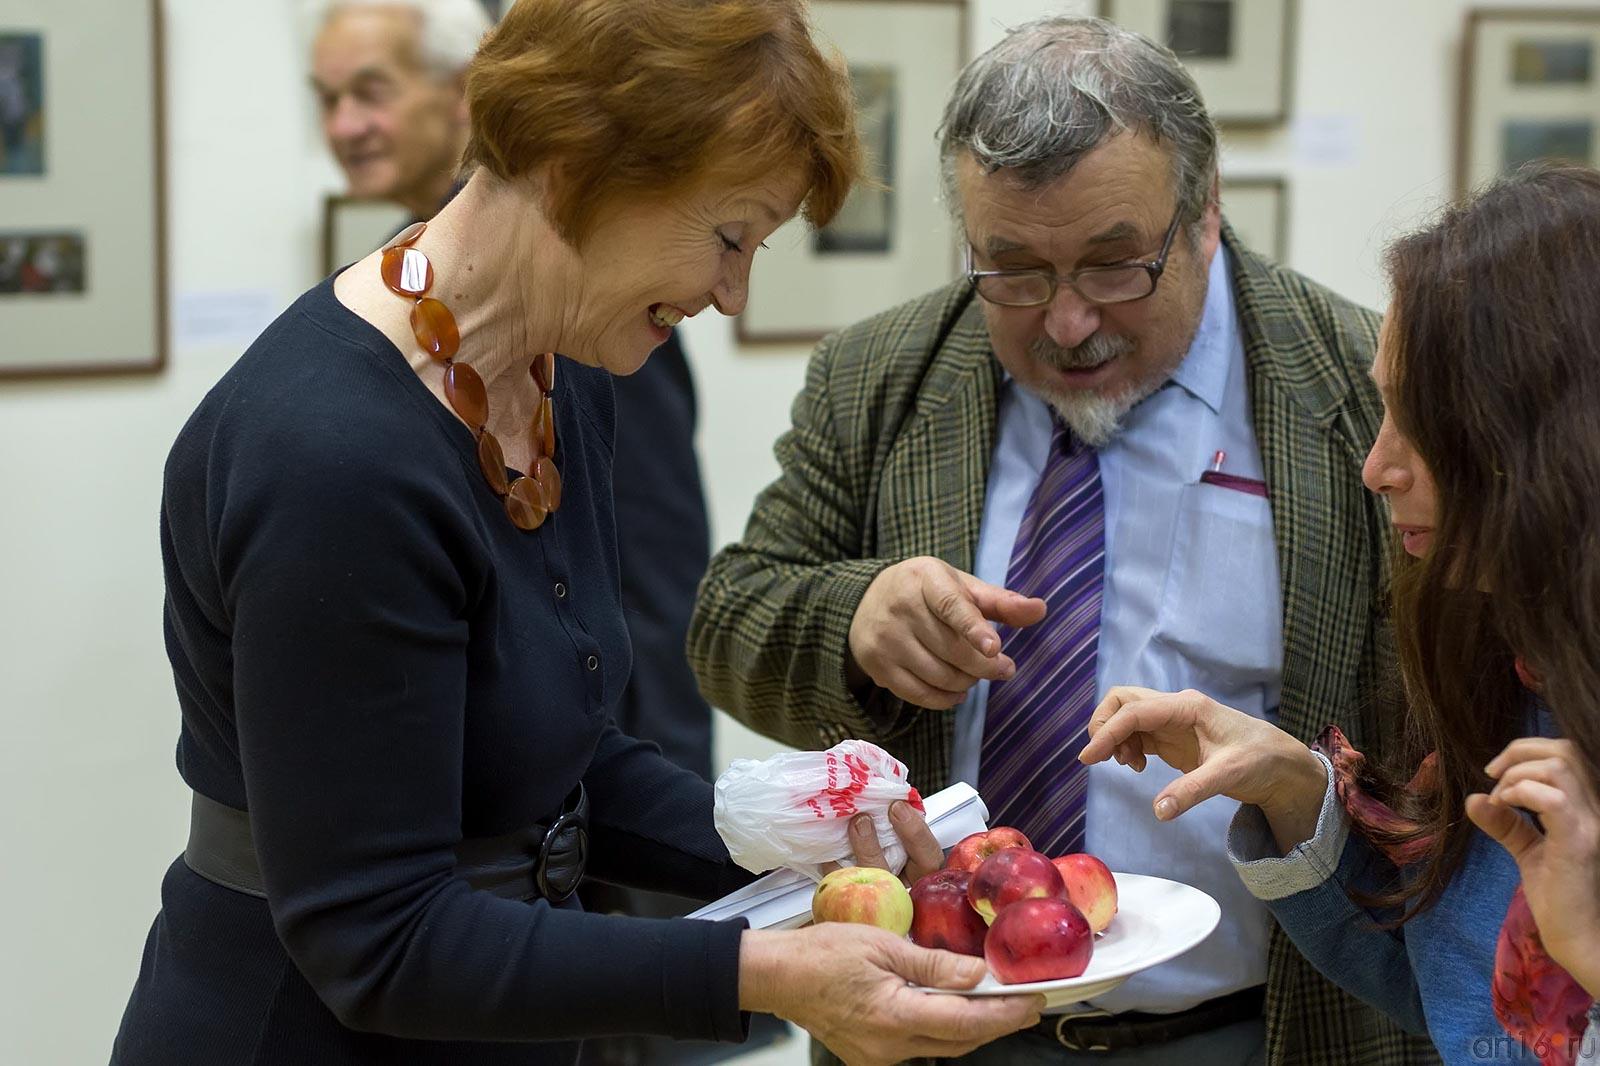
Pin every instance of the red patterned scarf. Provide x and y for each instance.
(1536, 1000)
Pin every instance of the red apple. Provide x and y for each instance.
(1038, 940)
(971, 850)
(863, 894)
(943, 918)
(1013, 874)
(1090, 887)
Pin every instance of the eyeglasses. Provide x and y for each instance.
(1117, 284)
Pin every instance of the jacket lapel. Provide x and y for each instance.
(934, 476)
(1309, 428)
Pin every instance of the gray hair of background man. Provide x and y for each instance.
(448, 30)
(1057, 88)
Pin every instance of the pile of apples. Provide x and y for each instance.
(1028, 916)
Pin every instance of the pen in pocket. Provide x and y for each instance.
(1216, 477)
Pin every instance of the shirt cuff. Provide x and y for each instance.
(1270, 876)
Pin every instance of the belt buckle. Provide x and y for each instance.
(1070, 1043)
(575, 822)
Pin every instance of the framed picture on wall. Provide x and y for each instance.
(352, 227)
(1258, 210)
(1530, 89)
(1241, 52)
(82, 200)
(893, 239)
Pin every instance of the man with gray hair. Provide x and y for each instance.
(1124, 449)
(388, 75)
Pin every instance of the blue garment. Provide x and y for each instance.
(1191, 600)
(1431, 975)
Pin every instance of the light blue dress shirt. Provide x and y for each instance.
(1191, 600)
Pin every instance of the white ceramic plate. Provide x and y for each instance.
(1156, 920)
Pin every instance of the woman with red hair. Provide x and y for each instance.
(393, 607)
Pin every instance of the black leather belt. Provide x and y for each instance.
(536, 860)
(1098, 1031)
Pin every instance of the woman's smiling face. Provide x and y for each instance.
(645, 266)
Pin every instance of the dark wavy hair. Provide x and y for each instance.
(1495, 376)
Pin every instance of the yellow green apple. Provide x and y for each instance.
(866, 895)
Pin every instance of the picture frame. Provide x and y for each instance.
(1257, 207)
(353, 226)
(1530, 89)
(893, 240)
(1240, 52)
(83, 274)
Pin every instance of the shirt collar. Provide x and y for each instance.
(1204, 371)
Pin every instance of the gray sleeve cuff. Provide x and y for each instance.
(1270, 876)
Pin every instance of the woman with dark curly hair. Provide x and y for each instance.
(1460, 889)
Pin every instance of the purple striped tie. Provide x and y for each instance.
(1034, 725)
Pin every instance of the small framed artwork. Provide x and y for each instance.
(1258, 210)
(21, 103)
(1530, 89)
(1241, 52)
(893, 239)
(82, 198)
(352, 227)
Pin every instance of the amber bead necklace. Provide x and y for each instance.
(531, 498)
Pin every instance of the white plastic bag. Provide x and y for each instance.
(794, 809)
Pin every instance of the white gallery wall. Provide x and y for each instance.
(91, 808)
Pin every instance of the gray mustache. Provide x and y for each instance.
(1091, 353)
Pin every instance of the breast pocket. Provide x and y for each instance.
(1221, 607)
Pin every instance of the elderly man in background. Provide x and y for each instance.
(1124, 450)
(389, 78)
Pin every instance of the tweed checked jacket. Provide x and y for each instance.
(887, 459)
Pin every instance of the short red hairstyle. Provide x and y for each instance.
(647, 98)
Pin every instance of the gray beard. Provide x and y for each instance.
(1092, 417)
